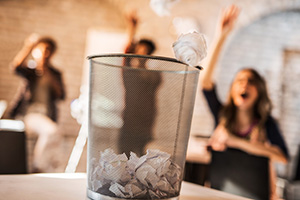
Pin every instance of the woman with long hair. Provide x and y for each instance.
(244, 121)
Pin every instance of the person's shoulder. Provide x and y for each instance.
(24, 69)
(272, 124)
(54, 70)
(271, 120)
(209, 90)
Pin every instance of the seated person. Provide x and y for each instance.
(244, 121)
(36, 101)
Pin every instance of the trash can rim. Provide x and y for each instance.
(194, 69)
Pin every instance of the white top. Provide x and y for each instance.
(65, 186)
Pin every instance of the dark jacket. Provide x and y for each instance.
(24, 97)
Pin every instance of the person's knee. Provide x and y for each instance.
(39, 124)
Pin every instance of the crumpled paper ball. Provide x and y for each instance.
(162, 7)
(190, 48)
(151, 176)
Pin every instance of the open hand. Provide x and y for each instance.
(132, 18)
(228, 19)
(31, 39)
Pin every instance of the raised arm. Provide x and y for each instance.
(225, 26)
(132, 26)
(24, 52)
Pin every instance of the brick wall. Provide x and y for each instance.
(67, 22)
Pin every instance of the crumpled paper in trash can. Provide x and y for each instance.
(153, 175)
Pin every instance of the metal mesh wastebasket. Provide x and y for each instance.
(140, 111)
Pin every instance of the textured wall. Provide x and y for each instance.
(65, 21)
(258, 41)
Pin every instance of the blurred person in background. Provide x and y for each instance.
(140, 94)
(42, 86)
(142, 46)
(244, 121)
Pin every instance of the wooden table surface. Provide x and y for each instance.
(65, 186)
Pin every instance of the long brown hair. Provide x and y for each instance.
(262, 107)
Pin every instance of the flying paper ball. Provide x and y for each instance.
(162, 7)
(190, 48)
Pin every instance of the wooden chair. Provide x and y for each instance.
(240, 173)
(292, 188)
(195, 173)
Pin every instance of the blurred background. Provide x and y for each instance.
(267, 38)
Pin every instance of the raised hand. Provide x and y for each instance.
(226, 23)
(228, 19)
(31, 39)
(132, 19)
(29, 43)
